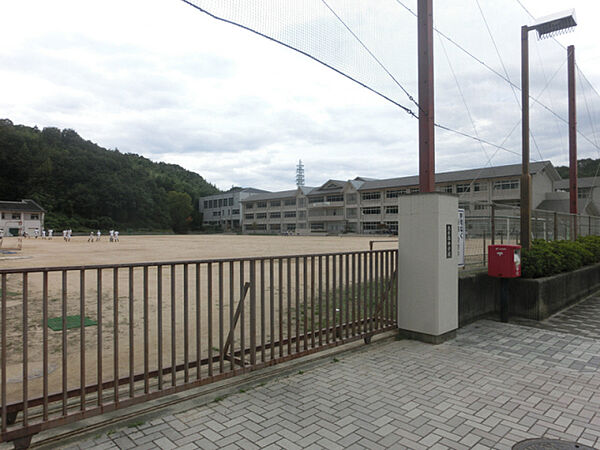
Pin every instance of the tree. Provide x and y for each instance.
(180, 209)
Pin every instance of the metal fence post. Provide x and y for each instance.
(493, 219)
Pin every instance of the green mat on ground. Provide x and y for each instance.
(55, 324)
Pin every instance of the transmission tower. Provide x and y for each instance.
(300, 174)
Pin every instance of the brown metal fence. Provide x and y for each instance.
(80, 341)
(500, 224)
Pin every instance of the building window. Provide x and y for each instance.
(290, 202)
(16, 216)
(261, 215)
(478, 187)
(370, 226)
(274, 203)
(216, 213)
(275, 215)
(414, 190)
(275, 227)
(446, 188)
(289, 214)
(205, 204)
(392, 226)
(503, 185)
(316, 199)
(302, 225)
(3, 215)
(302, 202)
(371, 195)
(290, 227)
(261, 204)
(259, 226)
(317, 226)
(35, 217)
(249, 216)
(351, 199)
(335, 198)
(235, 211)
(351, 212)
(479, 207)
(583, 192)
(249, 205)
(465, 187)
(302, 214)
(391, 209)
(395, 193)
(370, 211)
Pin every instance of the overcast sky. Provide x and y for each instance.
(161, 79)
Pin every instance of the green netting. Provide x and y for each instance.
(55, 324)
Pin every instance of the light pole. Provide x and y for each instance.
(546, 27)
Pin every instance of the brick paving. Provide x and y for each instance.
(582, 319)
(494, 385)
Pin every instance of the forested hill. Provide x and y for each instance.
(82, 185)
(585, 168)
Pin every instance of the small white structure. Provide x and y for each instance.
(19, 217)
(428, 266)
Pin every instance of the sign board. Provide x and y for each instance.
(461, 235)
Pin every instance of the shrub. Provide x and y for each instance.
(549, 258)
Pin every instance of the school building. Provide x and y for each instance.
(19, 217)
(223, 209)
(368, 205)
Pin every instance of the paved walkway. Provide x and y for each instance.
(582, 319)
(494, 385)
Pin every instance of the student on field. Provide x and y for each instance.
(98, 234)
(91, 238)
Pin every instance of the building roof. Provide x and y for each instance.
(462, 175)
(584, 182)
(590, 208)
(253, 190)
(24, 205)
(329, 186)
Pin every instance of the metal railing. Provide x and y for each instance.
(500, 224)
(80, 341)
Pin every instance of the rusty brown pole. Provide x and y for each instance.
(426, 105)
(572, 138)
(525, 176)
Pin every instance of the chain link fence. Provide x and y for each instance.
(501, 224)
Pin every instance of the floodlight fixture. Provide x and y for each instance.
(555, 24)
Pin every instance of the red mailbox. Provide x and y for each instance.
(504, 261)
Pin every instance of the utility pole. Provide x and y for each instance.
(426, 104)
(525, 176)
(572, 138)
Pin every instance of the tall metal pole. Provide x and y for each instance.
(572, 138)
(426, 105)
(525, 176)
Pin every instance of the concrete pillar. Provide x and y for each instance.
(428, 266)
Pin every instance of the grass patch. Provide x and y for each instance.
(136, 424)
(219, 398)
(55, 323)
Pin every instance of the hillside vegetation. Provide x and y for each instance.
(84, 186)
(585, 168)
